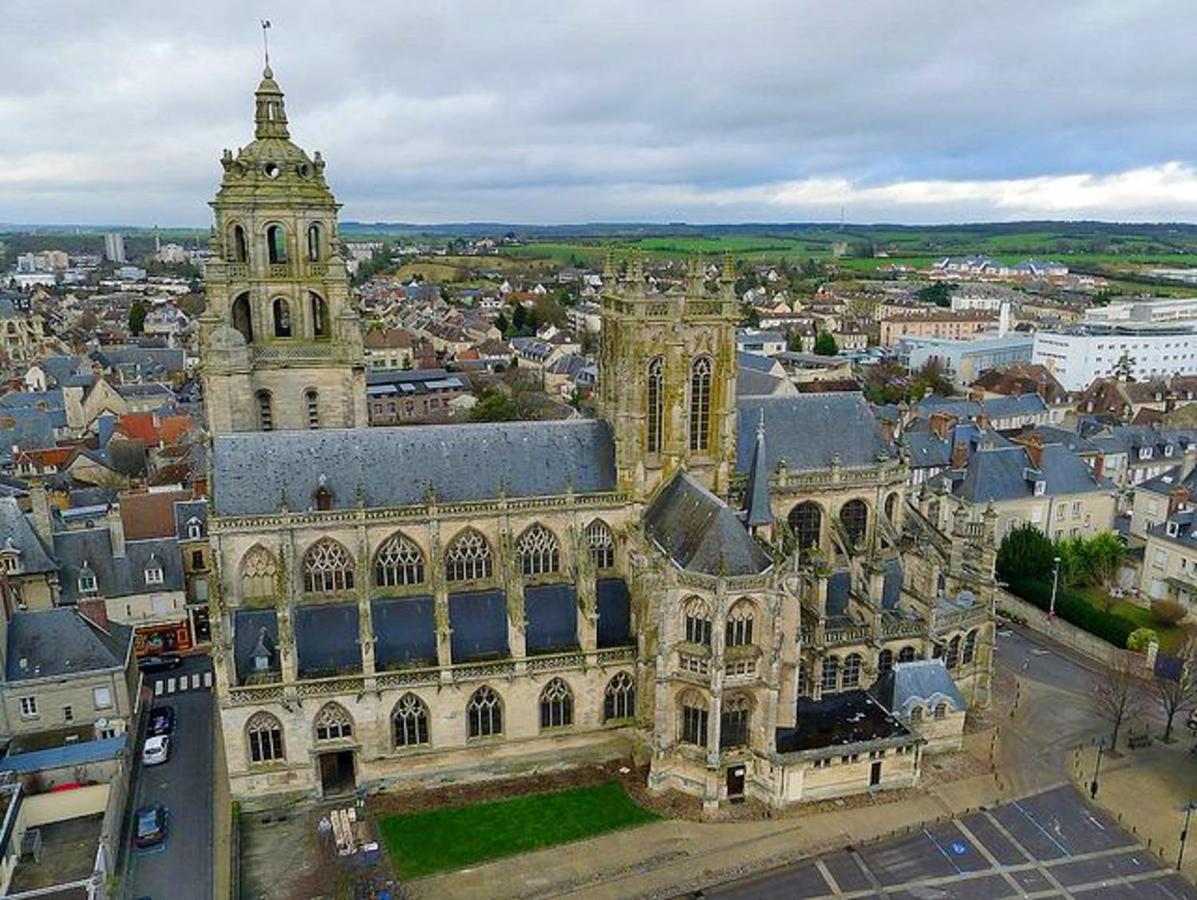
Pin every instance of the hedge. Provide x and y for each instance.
(1073, 608)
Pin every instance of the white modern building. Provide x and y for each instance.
(1078, 355)
(1164, 309)
(114, 247)
(963, 361)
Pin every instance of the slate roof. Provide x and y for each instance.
(57, 642)
(80, 753)
(32, 400)
(115, 576)
(253, 471)
(29, 429)
(16, 527)
(809, 429)
(185, 511)
(700, 532)
(1131, 438)
(838, 721)
(994, 407)
(1000, 473)
(922, 682)
(757, 510)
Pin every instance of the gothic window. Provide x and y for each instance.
(539, 551)
(739, 624)
(242, 320)
(484, 713)
(601, 543)
(891, 507)
(409, 721)
(282, 318)
(952, 659)
(556, 705)
(314, 242)
(970, 647)
(852, 667)
(806, 522)
(619, 700)
(333, 722)
(694, 719)
(319, 316)
(906, 654)
(885, 661)
(312, 401)
(468, 557)
(698, 621)
(398, 562)
(265, 411)
(854, 516)
(276, 244)
(265, 735)
(240, 247)
(733, 722)
(831, 672)
(259, 574)
(327, 567)
(656, 404)
(700, 403)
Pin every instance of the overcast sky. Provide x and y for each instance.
(629, 110)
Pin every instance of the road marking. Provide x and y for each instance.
(1030, 818)
(1097, 823)
(157, 688)
(939, 847)
(1041, 653)
(829, 878)
(207, 679)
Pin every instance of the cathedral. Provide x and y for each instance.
(737, 591)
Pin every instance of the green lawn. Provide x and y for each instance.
(442, 839)
(1171, 637)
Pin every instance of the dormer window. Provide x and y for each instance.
(1040, 488)
(1145, 453)
(153, 571)
(1173, 529)
(12, 563)
(1168, 450)
(195, 529)
(87, 580)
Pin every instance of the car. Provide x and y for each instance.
(162, 721)
(150, 827)
(156, 750)
(159, 663)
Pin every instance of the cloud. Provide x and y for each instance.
(612, 109)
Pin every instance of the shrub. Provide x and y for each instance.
(1140, 638)
(1073, 608)
(1168, 612)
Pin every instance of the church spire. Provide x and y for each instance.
(270, 117)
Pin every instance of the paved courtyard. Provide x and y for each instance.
(1050, 845)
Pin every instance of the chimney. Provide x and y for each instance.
(39, 513)
(1188, 462)
(1178, 498)
(116, 532)
(95, 610)
(1034, 447)
(1099, 466)
(940, 424)
(982, 419)
(960, 455)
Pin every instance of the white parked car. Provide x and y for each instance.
(156, 750)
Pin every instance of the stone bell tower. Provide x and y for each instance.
(280, 341)
(667, 380)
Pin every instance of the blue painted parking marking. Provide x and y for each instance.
(959, 847)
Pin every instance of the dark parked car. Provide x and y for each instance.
(151, 826)
(162, 721)
(159, 663)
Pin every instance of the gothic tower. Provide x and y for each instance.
(667, 378)
(281, 344)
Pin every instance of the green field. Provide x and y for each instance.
(439, 840)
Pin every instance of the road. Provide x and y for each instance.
(182, 870)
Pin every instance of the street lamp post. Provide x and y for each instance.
(1101, 745)
(1184, 833)
(1051, 610)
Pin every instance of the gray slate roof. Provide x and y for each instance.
(115, 576)
(808, 430)
(923, 682)
(1000, 473)
(700, 532)
(16, 527)
(253, 471)
(57, 642)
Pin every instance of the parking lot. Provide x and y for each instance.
(1050, 845)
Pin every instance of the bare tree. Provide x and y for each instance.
(1121, 695)
(1174, 684)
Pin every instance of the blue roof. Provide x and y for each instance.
(67, 755)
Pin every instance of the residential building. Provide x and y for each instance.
(417, 395)
(936, 324)
(388, 348)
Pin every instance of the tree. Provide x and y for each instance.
(930, 377)
(751, 318)
(1168, 612)
(1174, 685)
(1105, 553)
(825, 344)
(137, 313)
(1120, 695)
(1125, 368)
(1025, 554)
(938, 292)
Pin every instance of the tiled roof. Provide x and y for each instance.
(808, 430)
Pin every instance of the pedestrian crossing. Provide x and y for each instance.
(196, 681)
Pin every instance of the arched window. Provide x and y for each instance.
(556, 705)
(276, 244)
(539, 551)
(803, 680)
(739, 624)
(655, 404)
(906, 654)
(484, 713)
(265, 411)
(264, 734)
(916, 714)
(323, 498)
(694, 719)
(854, 515)
(195, 529)
(891, 507)
(333, 723)
(242, 319)
(468, 557)
(831, 673)
(734, 720)
(319, 315)
(952, 659)
(240, 246)
(259, 574)
(700, 403)
(327, 567)
(312, 401)
(698, 621)
(619, 700)
(970, 647)
(601, 543)
(852, 667)
(806, 522)
(282, 317)
(314, 242)
(885, 661)
(409, 721)
(941, 710)
(398, 562)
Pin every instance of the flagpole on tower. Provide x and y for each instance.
(266, 41)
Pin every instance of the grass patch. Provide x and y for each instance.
(443, 839)
(1171, 636)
